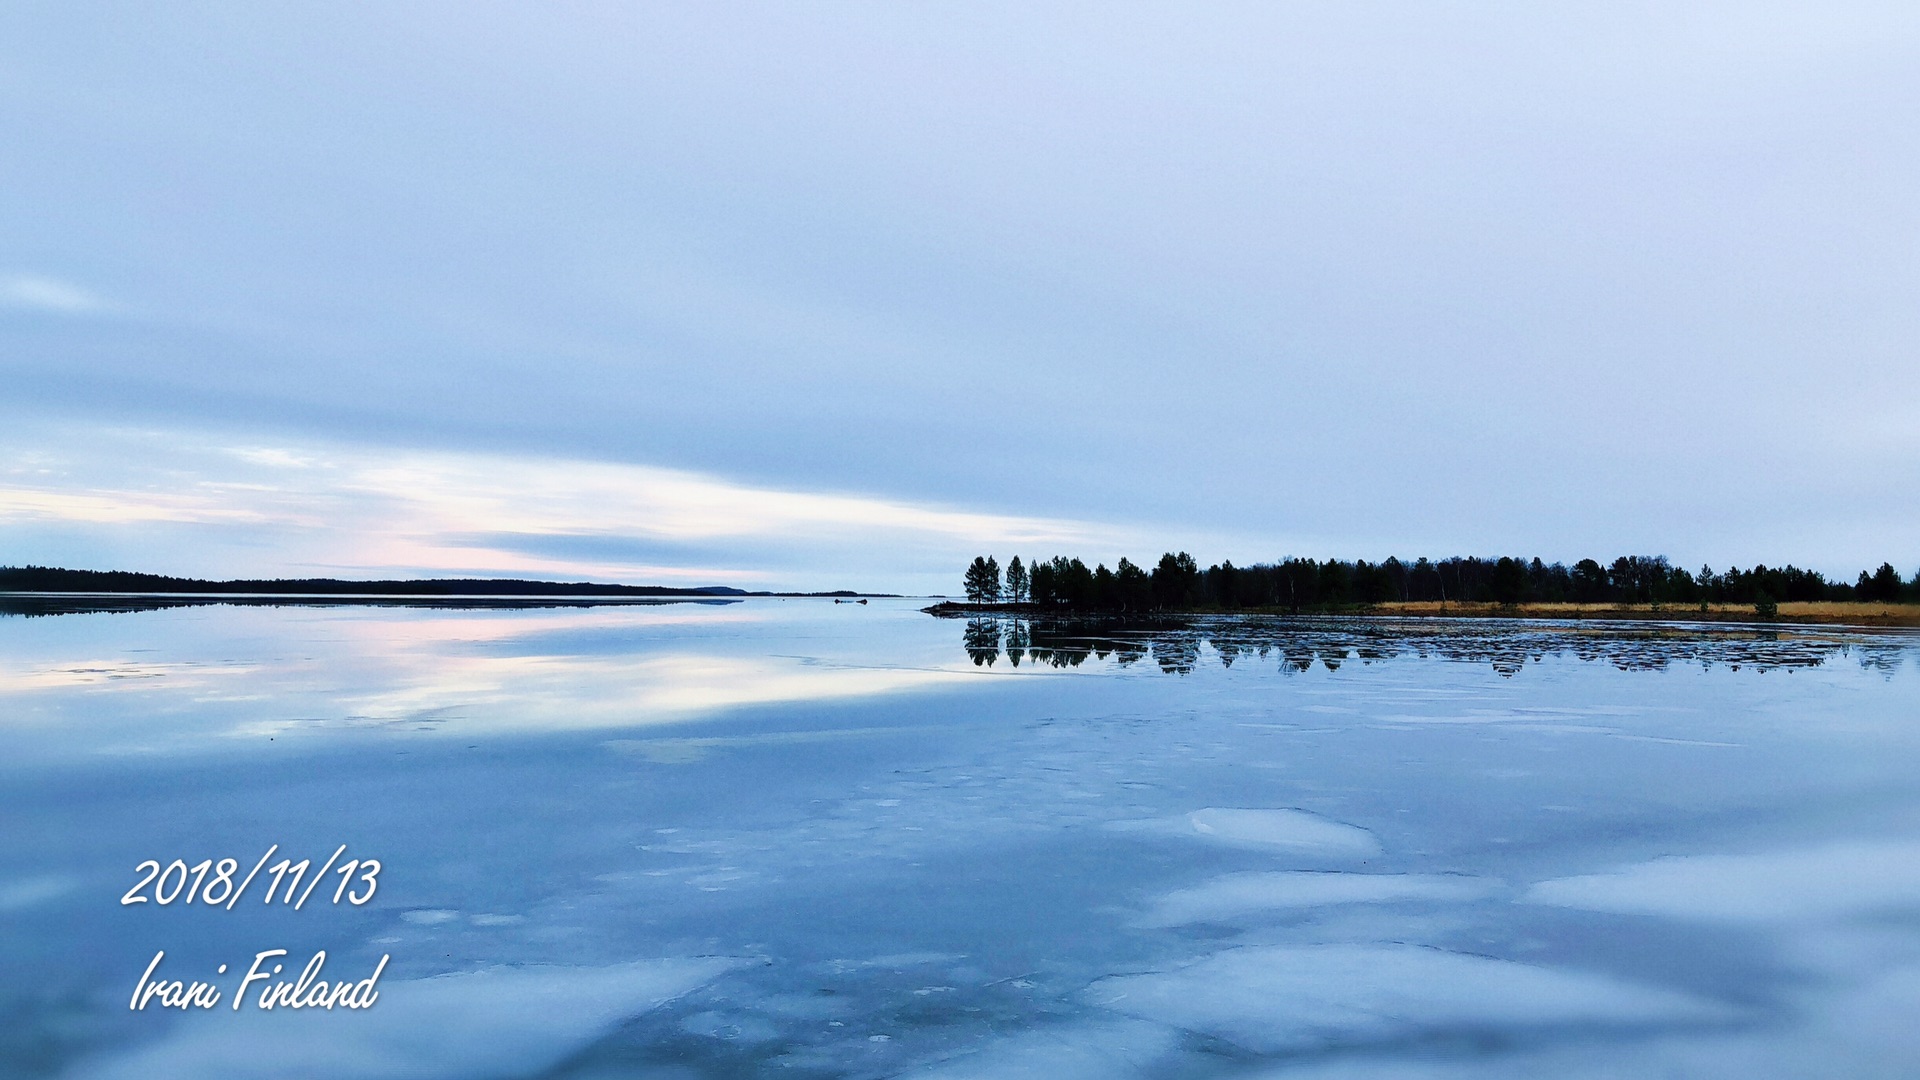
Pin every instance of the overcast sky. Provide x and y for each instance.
(834, 295)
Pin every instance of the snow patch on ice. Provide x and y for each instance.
(429, 916)
(1863, 1033)
(1273, 998)
(1815, 883)
(1298, 831)
(496, 1022)
(31, 892)
(1232, 896)
(1095, 1051)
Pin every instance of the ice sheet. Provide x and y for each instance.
(932, 875)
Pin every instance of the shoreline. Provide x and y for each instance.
(1869, 614)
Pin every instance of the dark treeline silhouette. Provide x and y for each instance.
(33, 605)
(55, 579)
(1174, 642)
(1176, 583)
(52, 579)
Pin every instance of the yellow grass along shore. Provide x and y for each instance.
(1820, 612)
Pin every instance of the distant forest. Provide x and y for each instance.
(1177, 583)
(56, 579)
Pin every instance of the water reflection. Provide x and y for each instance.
(1295, 645)
(228, 675)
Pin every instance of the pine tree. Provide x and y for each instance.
(1017, 583)
(982, 580)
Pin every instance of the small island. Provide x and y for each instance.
(1630, 587)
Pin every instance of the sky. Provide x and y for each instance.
(838, 295)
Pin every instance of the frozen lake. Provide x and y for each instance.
(808, 839)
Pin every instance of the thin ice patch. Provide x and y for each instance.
(1297, 832)
(1275, 998)
(495, 1022)
(1234, 896)
(1097, 1051)
(1811, 883)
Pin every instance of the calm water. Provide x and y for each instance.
(803, 839)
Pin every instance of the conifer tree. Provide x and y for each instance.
(982, 580)
(1017, 584)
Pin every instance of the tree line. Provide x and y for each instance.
(59, 579)
(1176, 583)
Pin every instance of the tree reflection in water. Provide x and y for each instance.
(1296, 644)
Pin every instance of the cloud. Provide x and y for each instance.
(206, 505)
(47, 294)
(1427, 282)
